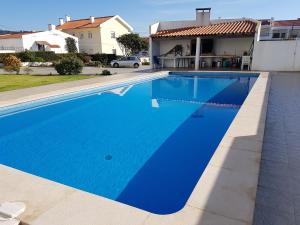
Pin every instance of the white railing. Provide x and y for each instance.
(17, 49)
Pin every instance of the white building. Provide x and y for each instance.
(279, 29)
(52, 40)
(97, 34)
(201, 43)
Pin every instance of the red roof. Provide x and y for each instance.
(286, 23)
(233, 28)
(14, 36)
(83, 23)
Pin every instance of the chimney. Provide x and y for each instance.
(51, 27)
(61, 21)
(92, 19)
(68, 18)
(203, 16)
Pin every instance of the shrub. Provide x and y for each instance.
(47, 56)
(4, 55)
(69, 66)
(145, 63)
(106, 72)
(94, 63)
(12, 64)
(84, 57)
(105, 59)
(26, 56)
(39, 59)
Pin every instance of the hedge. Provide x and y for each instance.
(30, 56)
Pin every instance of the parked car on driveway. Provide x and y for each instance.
(130, 61)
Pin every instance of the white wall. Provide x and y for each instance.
(11, 44)
(232, 46)
(107, 42)
(53, 37)
(87, 44)
(276, 55)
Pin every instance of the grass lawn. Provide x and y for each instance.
(13, 82)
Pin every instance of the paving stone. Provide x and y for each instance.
(272, 198)
(268, 216)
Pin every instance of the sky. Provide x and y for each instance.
(37, 14)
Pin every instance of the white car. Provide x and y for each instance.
(130, 61)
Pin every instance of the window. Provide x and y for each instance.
(276, 35)
(90, 35)
(113, 34)
(114, 51)
(81, 36)
(282, 35)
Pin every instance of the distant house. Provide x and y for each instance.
(201, 43)
(52, 40)
(97, 34)
(279, 29)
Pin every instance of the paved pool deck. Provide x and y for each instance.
(278, 195)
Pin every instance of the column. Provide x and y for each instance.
(197, 60)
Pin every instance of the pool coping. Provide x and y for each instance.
(225, 193)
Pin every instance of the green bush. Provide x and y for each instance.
(84, 57)
(106, 72)
(69, 66)
(39, 59)
(26, 56)
(105, 59)
(47, 56)
(145, 63)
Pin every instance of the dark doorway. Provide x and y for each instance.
(207, 46)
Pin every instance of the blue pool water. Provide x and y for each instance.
(145, 145)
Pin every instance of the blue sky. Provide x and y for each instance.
(37, 14)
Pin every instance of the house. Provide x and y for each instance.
(201, 43)
(97, 34)
(279, 29)
(52, 40)
(277, 46)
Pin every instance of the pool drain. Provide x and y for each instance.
(108, 157)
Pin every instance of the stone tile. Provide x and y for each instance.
(275, 168)
(191, 216)
(242, 143)
(272, 198)
(296, 201)
(280, 183)
(81, 208)
(268, 216)
(236, 160)
(275, 155)
(220, 188)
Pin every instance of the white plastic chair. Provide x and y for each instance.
(9, 211)
(246, 61)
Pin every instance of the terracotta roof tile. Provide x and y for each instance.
(286, 23)
(243, 27)
(14, 36)
(83, 23)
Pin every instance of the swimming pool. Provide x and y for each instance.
(145, 145)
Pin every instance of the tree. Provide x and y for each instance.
(71, 45)
(132, 43)
(12, 64)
